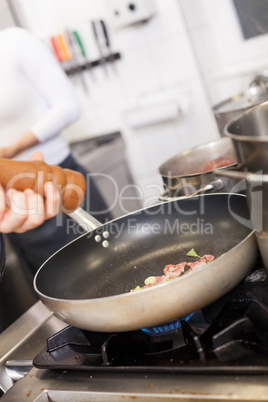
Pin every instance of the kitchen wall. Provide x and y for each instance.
(227, 61)
(154, 95)
(160, 93)
(6, 18)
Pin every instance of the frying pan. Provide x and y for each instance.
(88, 285)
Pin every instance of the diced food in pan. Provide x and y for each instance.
(172, 271)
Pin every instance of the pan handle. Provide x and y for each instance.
(22, 175)
(84, 219)
(215, 185)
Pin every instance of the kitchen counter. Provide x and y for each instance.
(27, 336)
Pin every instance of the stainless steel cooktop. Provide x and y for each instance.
(24, 339)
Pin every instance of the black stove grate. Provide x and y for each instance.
(229, 336)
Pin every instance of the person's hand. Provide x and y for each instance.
(23, 211)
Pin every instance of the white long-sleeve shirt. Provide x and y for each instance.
(35, 95)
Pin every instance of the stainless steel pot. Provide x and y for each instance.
(182, 175)
(249, 133)
(256, 186)
(231, 108)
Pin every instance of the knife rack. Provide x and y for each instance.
(92, 64)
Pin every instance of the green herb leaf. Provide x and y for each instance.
(192, 253)
(150, 280)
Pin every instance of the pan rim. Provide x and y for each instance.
(200, 147)
(153, 288)
(245, 138)
(248, 138)
(201, 173)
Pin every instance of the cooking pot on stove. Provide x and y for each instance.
(231, 108)
(249, 133)
(192, 171)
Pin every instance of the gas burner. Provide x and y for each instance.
(230, 336)
(168, 328)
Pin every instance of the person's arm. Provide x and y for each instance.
(27, 141)
(21, 211)
(43, 71)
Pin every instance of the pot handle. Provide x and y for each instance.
(248, 176)
(257, 89)
(214, 185)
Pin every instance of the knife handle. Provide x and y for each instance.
(22, 175)
(56, 49)
(105, 33)
(63, 46)
(94, 28)
(80, 44)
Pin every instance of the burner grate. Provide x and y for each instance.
(230, 336)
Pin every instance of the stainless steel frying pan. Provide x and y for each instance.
(88, 285)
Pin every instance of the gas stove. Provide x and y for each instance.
(219, 353)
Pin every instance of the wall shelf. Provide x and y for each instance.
(92, 64)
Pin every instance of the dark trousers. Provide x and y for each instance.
(2, 265)
(37, 245)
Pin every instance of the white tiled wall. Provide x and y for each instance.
(174, 57)
(227, 61)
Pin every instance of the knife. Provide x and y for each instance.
(79, 41)
(56, 49)
(72, 38)
(98, 43)
(106, 37)
(63, 46)
(82, 49)
(107, 42)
